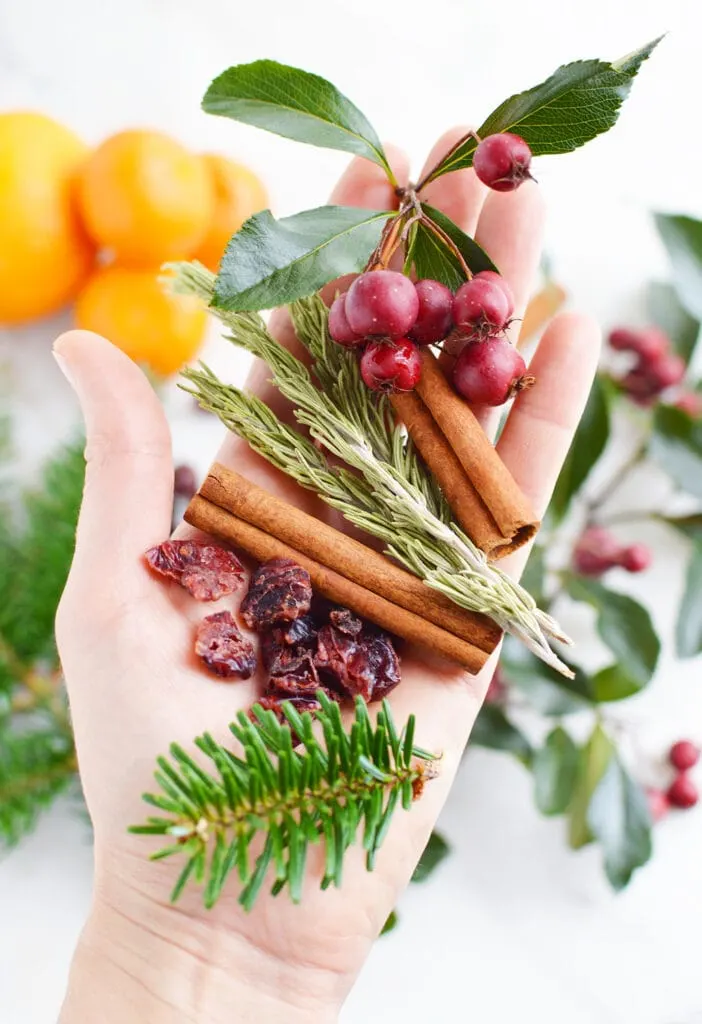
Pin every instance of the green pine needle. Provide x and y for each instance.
(34, 768)
(334, 783)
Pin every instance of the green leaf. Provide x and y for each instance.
(588, 444)
(614, 682)
(391, 923)
(436, 850)
(666, 312)
(594, 760)
(295, 104)
(690, 525)
(432, 258)
(271, 262)
(682, 237)
(555, 769)
(677, 445)
(688, 631)
(546, 689)
(578, 102)
(624, 625)
(534, 575)
(619, 819)
(494, 730)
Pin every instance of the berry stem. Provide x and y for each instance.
(389, 241)
(429, 176)
(622, 473)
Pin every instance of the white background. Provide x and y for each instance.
(514, 926)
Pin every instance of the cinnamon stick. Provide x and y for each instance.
(343, 554)
(478, 486)
(262, 546)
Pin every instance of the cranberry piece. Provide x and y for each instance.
(489, 372)
(298, 676)
(667, 371)
(279, 591)
(595, 552)
(184, 482)
(382, 303)
(391, 366)
(649, 343)
(684, 755)
(435, 317)
(206, 571)
(658, 805)
(365, 665)
(502, 161)
(346, 621)
(222, 647)
(498, 279)
(683, 792)
(339, 327)
(481, 306)
(635, 558)
(691, 403)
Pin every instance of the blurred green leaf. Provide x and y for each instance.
(436, 850)
(691, 525)
(688, 631)
(619, 819)
(676, 445)
(494, 730)
(667, 312)
(594, 759)
(588, 444)
(555, 769)
(391, 923)
(546, 689)
(682, 237)
(534, 575)
(614, 682)
(431, 257)
(624, 625)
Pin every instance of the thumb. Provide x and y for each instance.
(128, 497)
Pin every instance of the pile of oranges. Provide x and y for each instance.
(94, 227)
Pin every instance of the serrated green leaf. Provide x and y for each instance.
(436, 850)
(546, 689)
(594, 759)
(295, 104)
(555, 768)
(271, 262)
(624, 625)
(666, 311)
(433, 259)
(494, 730)
(677, 445)
(578, 102)
(588, 444)
(682, 237)
(688, 630)
(619, 819)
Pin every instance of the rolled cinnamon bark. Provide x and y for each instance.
(262, 546)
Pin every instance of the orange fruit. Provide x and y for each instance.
(44, 253)
(145, 197)
(238, 195)
(133, 310)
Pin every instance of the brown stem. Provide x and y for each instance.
(613, 485)
(429, 176)
(389, 241)
(448, 242)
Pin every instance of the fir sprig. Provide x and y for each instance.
(326, 789)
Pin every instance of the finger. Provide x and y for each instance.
(128, 497)
(460, 195)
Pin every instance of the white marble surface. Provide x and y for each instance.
(513, 926)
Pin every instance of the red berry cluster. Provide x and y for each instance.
(598, 550)
(656, 368)
(682, 792)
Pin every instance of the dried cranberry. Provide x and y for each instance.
(377, 661)
(206, 571)
(346, 621)
(365, 665)
(222, 647)
(299, 631)
(279, 591)
(297, 677)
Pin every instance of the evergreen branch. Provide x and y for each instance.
(326, 789)
(34, 768)
(354, 429)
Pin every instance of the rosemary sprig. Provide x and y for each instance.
(396, 500)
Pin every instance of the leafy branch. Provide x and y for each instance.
(327, 789)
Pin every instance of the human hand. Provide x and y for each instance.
(126, 646)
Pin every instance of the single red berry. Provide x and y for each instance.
(497, 689)
(184, 482)
(502, 161)
(639, 386)
(435, 319)
(635, 558)
(489, 372)
(658, 804)
(382, 303)
(684, 755)
(391, 366)
(492, 275)
(649, 343)
(481, 306)
(690, 402)
(666, 371)
(339, 327)
(596, 551)
(682, 792)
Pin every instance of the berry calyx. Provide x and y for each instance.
(492, 275)
(391, 365)
(435, 317)
(658, 804)
(684, 755)
(502, 161)
(682, 792)
(490, 372)
(481, 306)
(596, 551)
(635, 558)
(339, 326)
(382, 303)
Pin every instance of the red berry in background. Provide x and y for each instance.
(648, 343)
(596, 551)
(639, 386)
(489, 372)
(339, 327)
(434, 319)
(684, 755)
(492, 275)
(497, 690)
(481, 305)
(502, 161)
(666, 371)
(382, 303)
(658, 805)
(184, 482)
(635, 558)
(691, 403)
(682, 792)
(391, 365)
